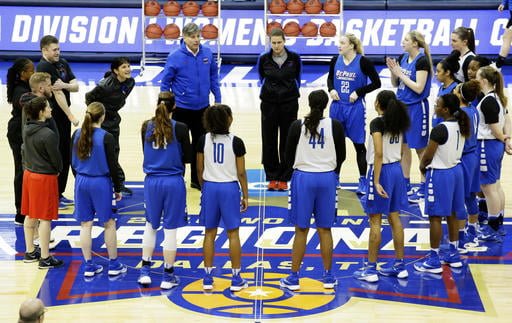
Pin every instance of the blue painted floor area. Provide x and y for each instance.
(266, 237)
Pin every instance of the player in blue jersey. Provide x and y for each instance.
(463, 41)
(445, 73)
(315, 149)
(507, 35)
(94, 163)
(351, 77)
(412, 74)
(445, 182)
(221, 173)
(494, 139)
(167, 148)
(467, 92)
(386, 187)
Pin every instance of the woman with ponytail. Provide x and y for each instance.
(445, 73)
(167, 148)
(412, 74)
(387, 191)
(445, 181)
(493, 138)
(463, 41)
(17, 85)
(467, 93)
(94, 164)
(315, 149)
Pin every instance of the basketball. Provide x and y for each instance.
(171, 8)
(332, 7)
(328, 29)
(153, 31)
(209, 32)
(313, 6)
(309, 29)
(295, 6)
(190, 8)
(171, 31)
(273, 25)
(210, 9)
(151, 8)
(292, 29)
(277, 6)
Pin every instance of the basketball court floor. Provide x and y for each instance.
(478, 292)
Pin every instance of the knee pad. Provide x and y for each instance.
(170, 243)
(149, 237)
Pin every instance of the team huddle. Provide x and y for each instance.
(459, 158)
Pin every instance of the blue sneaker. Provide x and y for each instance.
(367, 273)
(291, 282)
(92, 269)
(329, 280)
(362, 188)
(169, 280)
(116, 268)
(144, 277)
(397, 269)
(501, 229)
(208, 282)
(488, 234)
(452, 258)
(418, 193)
(468, 241)
(66, 201)
(63, 206)
(238, 283)
(430, 265)
(409, 188)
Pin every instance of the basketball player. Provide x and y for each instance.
(445, 73)
(348, 84)
(18, 76)
(493, 140)
(112, 92)
(40, 192)
(412, 74)
(167, 148)
(445, 181)
(386, 187)
(94, 163)
(467, 92)
(221, 173)
(316, 150)
(463, 41)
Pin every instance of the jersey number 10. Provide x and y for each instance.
(218, 153)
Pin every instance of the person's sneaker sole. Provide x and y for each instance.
(168, 285)
(208, 287)
(428, 270)
(117, 271)
(290, 287)
(456, 264)
(330, 285)
(403, 274)
(92, 273)
(369, 278)
(145, 280)
(238, 288)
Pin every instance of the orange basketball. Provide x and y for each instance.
(292, 29)
(210, 9)
(171, 8)
(273, 25)
(295, 6)
(209, 32)
(151, 8)
(171, 31)
(153, 31)
(313, 6)
(277, 6)
(190, 8)
(332, 6)
(309, 29)
(328, 29)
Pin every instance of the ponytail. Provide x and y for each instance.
(496, 79)
(420, 39)
(317, 102)
(395, 117)
(94, 112)
(13, 76)
(452, 103)
(163, 131)
(468, 35)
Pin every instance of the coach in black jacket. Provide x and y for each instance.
(280, 76)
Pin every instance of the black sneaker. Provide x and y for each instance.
(195, 186)
(126, 191)
(32, 256)
(50, 262)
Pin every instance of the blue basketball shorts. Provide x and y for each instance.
(445, 192)
(352, 117)
(491, 156)
(165, 200)
(220, 201)
(313, 194)
(417, 135)
(393, 182)
(93, 198)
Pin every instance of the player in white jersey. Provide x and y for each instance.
(221, 173)
(386, 185)
(445, 181)
(493, 138)
(463, 40)
(315, 149)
